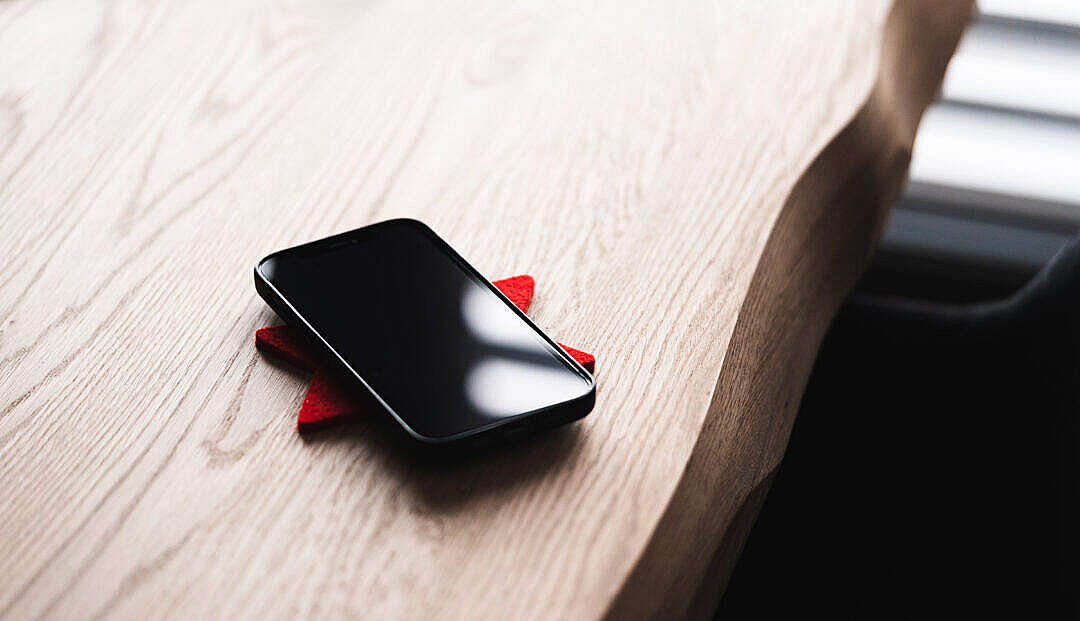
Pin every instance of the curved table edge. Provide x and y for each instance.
(781, 323)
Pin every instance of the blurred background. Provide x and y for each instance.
(995, 175)
(932, 469)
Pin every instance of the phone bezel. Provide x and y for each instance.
(510, 426)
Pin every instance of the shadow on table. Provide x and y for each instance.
(449, 481)
(441, 480)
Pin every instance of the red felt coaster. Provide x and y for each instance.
(326, 402)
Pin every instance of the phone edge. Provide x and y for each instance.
(510, 428)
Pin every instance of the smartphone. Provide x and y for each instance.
(405, 318)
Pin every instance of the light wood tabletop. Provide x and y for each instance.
(694, 185)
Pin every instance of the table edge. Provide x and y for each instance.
(694, 546)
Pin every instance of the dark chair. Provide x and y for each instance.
(932, 469)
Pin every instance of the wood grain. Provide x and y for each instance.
(694, 186)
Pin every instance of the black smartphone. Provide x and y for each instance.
(444, 352)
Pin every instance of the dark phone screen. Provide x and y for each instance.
(445, 352)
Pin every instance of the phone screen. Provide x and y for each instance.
(429, 336)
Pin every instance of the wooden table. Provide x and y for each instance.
(694, 187)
